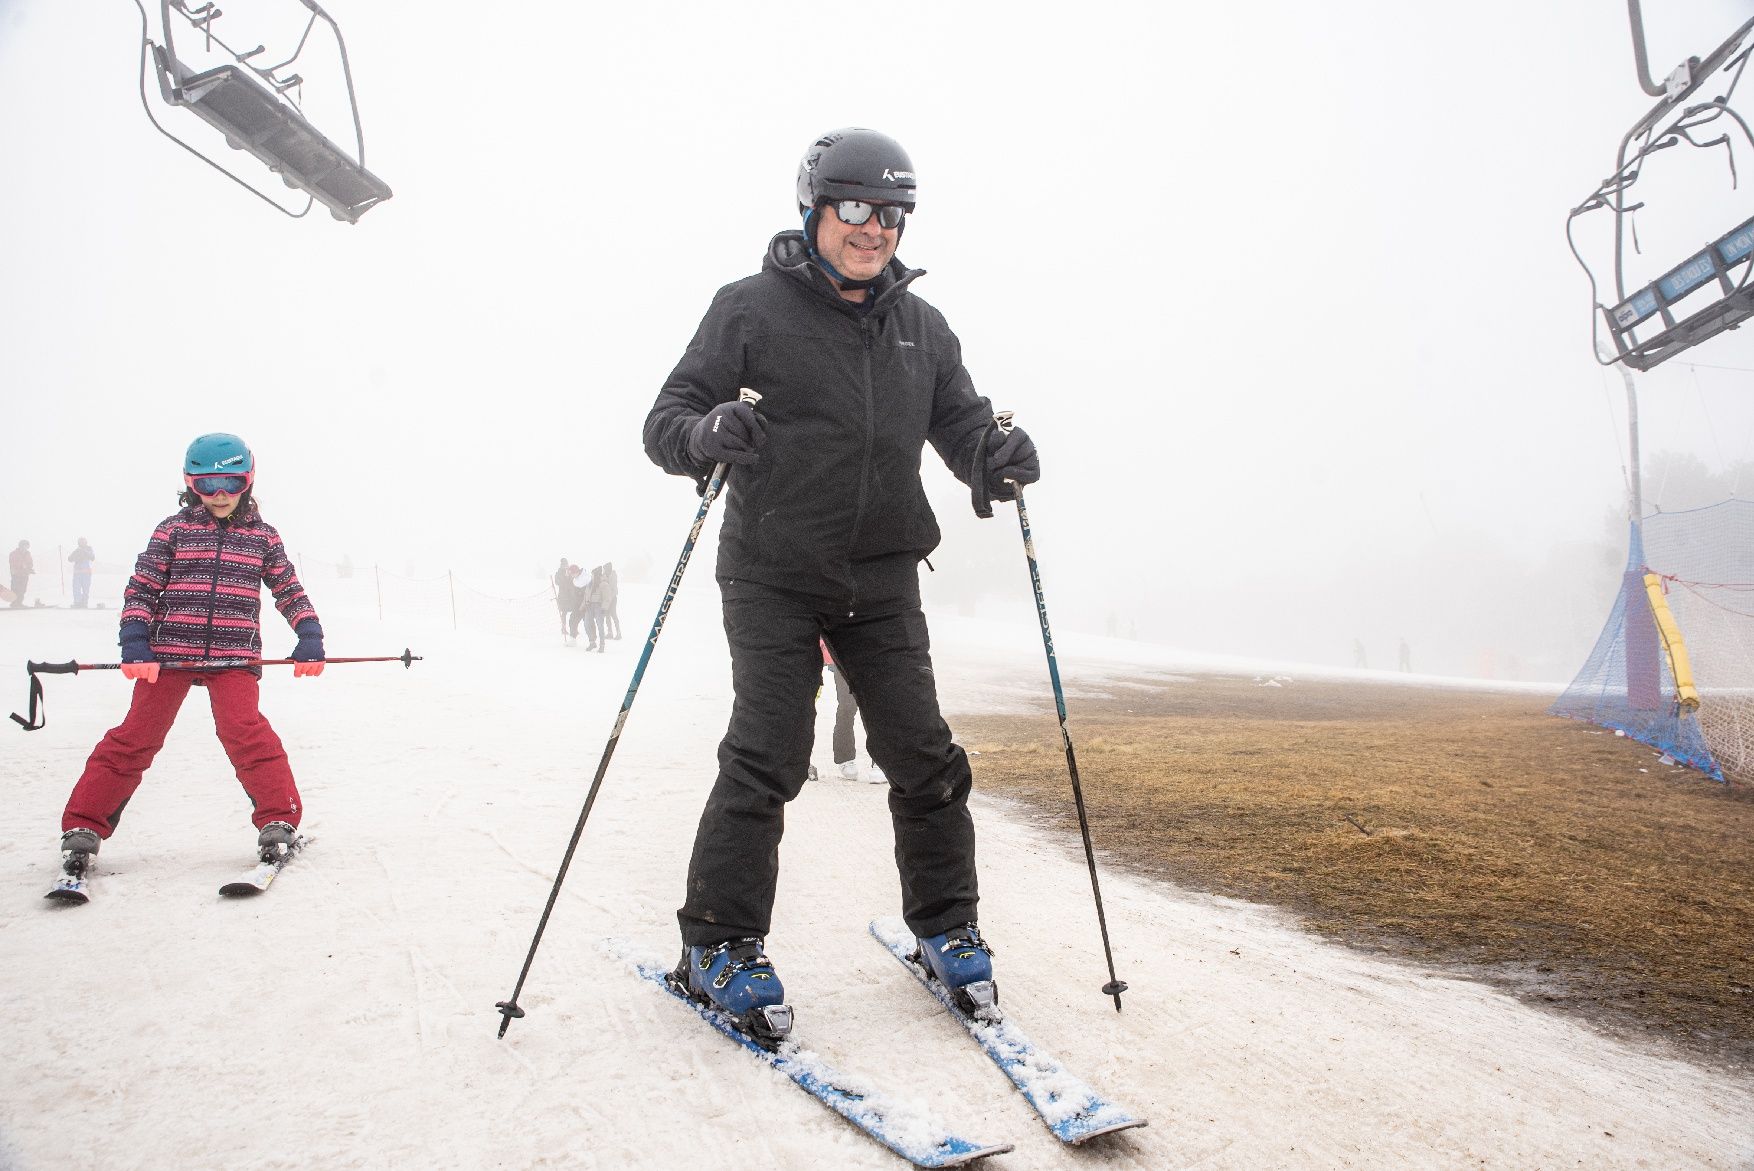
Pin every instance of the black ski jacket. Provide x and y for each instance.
(834, 507)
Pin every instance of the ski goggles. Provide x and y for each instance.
(853, 212)
(223, 485)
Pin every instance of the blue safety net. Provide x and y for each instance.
(1706, 557)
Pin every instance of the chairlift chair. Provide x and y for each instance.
(246, 104)
(1724, 265)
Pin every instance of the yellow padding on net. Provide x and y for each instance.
(1679, 665)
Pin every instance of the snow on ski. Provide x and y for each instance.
(257, 878)
(1071, 1109)
(903, 1129)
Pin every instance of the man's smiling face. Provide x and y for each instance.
(857, 251)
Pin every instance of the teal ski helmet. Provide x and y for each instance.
(218, 453)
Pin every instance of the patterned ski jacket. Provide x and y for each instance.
(198, 585)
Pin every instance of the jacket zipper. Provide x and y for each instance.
(213, 594)
(865, 464)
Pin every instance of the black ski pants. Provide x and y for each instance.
(883, 651)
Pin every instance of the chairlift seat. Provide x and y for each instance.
(253, 118)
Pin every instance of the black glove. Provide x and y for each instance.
(136, 644)
(730, 433)
(1012, 458)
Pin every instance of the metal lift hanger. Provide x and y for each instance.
(1672, 122)
(250, 106)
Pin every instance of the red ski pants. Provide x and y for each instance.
(114, 770)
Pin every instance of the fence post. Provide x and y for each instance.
(61, 564)
(452, 582)
(378, 582)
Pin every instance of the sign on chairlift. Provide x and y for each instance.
(1716, 261)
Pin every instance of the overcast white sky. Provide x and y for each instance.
(1280, 289)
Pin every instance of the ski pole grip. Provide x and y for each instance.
(979, 494)
(70, 667)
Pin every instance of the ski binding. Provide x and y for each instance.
(901, 1128)
(260, 876)
(1069, 1107)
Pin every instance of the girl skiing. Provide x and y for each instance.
(195, 595)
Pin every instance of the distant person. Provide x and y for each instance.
(1406, 656)
(1358, 656)
(611, 590)
(823, 532)
(195, 595)
(21, 565)
(576, 599)
(590, 609)
(846, 761)
(566, 599)
(81, 557)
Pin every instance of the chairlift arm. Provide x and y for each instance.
(1639, 59)
(347, 71)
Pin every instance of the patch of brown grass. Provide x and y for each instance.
(1467, 829)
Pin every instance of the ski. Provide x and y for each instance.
(1069, 1107)
(260, 876)
(70, 888)
(902, 1129)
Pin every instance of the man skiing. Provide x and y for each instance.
(823, 532)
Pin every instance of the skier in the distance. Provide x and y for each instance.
(82, 557)
(195, 595)
(846, 709)
(825, 524)
(20, 565)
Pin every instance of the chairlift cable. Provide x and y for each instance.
(1710, 424)
(1614, 430)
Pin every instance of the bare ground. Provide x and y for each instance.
(1466, 829)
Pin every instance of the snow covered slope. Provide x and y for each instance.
(345, 1019)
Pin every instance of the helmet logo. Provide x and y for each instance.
(898, 176)
(229, 460)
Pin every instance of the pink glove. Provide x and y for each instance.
(300, 670)
(146, 671)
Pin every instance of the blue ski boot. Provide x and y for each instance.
(962, 962)
(736, 978)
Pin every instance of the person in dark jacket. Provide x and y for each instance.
(566, 598)
(825, 524)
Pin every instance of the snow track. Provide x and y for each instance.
(345, 1020)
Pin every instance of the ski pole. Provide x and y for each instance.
(38, 708)
(508, 1009)
(1115, 986)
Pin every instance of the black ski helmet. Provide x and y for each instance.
(854, 163)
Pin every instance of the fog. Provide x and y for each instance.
(1281, 291)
